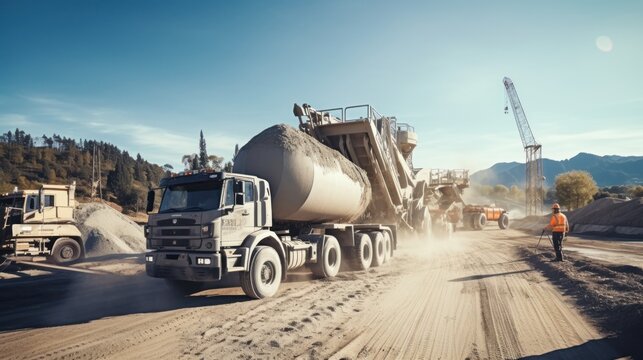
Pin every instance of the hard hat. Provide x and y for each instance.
(555, 206)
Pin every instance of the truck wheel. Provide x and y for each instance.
(388, 247)
(503, 222)
(65, 251)
(264, 277)
(379, 248)
(329, 258)
(362, 253)
(480, 221)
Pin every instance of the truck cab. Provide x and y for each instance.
(205, 224)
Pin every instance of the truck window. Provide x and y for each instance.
(32, 203)
(248, 191)
(49, 200)
(229, 193)
(192, 197)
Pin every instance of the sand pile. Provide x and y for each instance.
(610, 211)
(609, 216)
(106, 231)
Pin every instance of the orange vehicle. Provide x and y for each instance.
(476, 216)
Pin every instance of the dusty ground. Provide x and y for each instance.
(479, 295)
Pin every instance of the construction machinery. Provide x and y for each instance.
(40, 222)
(534, 179)
(476, 217)
(335, 190)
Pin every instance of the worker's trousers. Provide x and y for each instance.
(557, 238)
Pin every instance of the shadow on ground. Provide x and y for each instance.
(63, 298)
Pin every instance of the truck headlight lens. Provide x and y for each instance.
(203, 261)
(207, 230)
(149, 258)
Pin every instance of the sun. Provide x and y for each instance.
(604, 43)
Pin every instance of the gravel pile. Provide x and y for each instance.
(108, 232)
(610, 211)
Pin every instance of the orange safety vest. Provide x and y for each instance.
(558, 223)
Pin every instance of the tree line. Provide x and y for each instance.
(572, 190)
(27, 161)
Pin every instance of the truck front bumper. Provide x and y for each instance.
(186, 266)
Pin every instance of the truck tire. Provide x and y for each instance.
(480, 221)
(362, 254)
(503, 221)
(329, 258)
(379, 248)
(65, 251)
(388, 247)
(263, 278)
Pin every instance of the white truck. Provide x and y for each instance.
(333, 190)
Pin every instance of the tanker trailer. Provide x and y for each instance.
(290, 202)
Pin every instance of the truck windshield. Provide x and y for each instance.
(192, 197)
(12, 202)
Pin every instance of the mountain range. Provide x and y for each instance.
(606, 170)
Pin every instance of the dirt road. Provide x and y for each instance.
(474, 296)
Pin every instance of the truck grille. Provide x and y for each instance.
(175, 242)
(179, 222)
(175, 232)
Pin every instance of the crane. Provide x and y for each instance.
(534, 178)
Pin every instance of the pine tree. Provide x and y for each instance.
(203, 153)
(120, 179)
(195, 163)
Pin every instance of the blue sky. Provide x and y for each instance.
(148, 75)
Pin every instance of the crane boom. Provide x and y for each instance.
(526, 135)
(534, 190)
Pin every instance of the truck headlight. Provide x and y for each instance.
(147, 230)
(207, 230)
(203, 261)
(149, 258)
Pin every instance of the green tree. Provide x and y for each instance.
(575, 189)
(195, 163)
(228, 166)
(120, 180)
(203, 153)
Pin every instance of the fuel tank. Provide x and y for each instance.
(309, 181)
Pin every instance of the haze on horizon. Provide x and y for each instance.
(147, 76)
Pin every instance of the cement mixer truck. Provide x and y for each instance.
(292, 200)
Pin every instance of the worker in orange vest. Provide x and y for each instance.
(559, 228)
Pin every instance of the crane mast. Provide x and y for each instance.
(534, 190)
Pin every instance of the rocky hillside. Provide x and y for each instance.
(606, 170)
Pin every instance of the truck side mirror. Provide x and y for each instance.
(41, 200)
(151, 195)
(239, 199)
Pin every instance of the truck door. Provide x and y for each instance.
(237, 224)
(249, 206)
